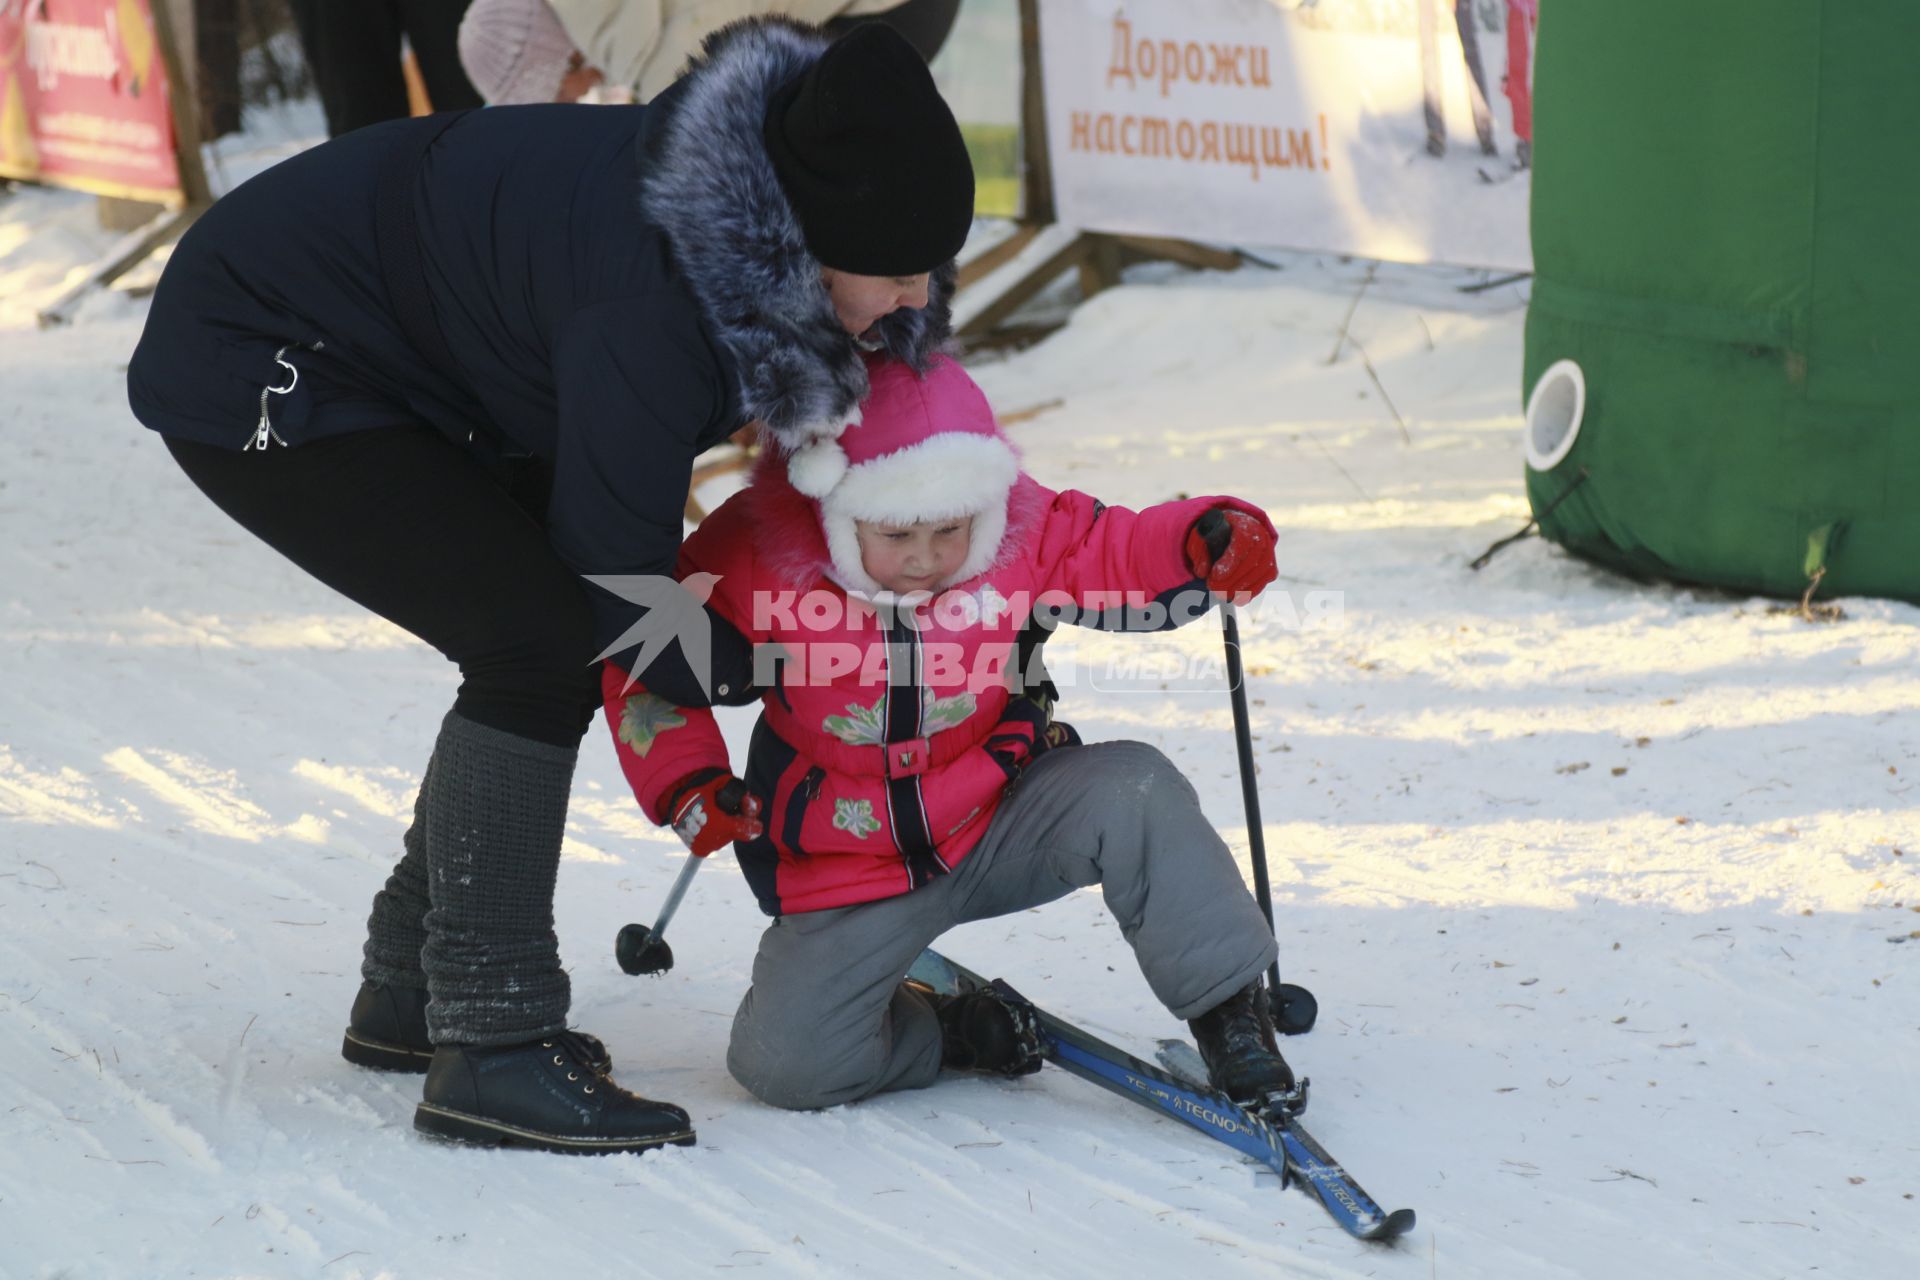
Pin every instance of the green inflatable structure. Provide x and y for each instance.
(1723, 344)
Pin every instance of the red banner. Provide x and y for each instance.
(84, 98)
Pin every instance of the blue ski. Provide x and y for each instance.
(1273, 1137)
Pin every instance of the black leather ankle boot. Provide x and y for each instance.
(387, 1031)
(543, 1094)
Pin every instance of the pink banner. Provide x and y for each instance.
(84, 98)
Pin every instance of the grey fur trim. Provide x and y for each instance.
(712, 189)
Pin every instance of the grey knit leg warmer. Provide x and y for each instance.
(397, 929)
(495, 816)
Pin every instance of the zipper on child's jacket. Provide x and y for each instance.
(905, 723)
(804, 792)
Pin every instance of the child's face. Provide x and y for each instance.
(914, 557)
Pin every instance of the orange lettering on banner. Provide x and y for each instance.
(1226, 64)
(1257, 146)
(1140, 60)
(1169, 60)
(1209, 141)
(1121, 63)
(1156, 137)
(1240, 148)
(1273, 147)
(1300, 148)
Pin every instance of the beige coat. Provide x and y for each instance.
(644, 45)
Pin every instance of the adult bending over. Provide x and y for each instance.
(449, 366)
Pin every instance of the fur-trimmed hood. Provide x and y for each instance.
(712, 190)
(790, 539)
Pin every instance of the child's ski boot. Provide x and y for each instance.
(1237, 1043)
(982, 1032)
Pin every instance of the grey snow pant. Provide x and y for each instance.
(827, 1020)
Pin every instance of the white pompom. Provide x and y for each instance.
(805, 433)
(816, 469)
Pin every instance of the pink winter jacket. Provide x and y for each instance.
(870, 788)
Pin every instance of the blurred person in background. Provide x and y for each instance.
(353, 48)
(518, 51)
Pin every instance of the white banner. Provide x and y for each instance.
(1352, 126)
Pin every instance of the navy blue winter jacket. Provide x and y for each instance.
(618, 288)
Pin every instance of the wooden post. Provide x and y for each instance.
(1185, 252)
(1036, 186)
(1100, 269)
(1003, 279)
(129, 252)
(1062, 251)
(984, 264)
(117, 213)
(183, 106)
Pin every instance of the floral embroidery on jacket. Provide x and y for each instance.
(861, 726)
(855, 817)
(866, 726)
(646, 717)
(944, 713)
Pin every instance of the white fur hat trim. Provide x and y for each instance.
(943, 477)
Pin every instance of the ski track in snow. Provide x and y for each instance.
(1606, 890)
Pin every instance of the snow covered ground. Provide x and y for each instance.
(1598, 884)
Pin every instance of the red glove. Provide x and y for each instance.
(710, 809)
(1232, 552)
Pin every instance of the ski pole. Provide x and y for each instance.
(1294, 1008)
(642, 950)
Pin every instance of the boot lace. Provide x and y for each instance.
(584, 1051)
(1243, 1034)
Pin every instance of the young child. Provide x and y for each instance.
(898, 783)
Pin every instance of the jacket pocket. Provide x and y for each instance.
(794, 817)
(1011, 751)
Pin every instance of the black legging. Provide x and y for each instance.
(406, 524)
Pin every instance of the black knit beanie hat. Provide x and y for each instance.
(871, 158)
